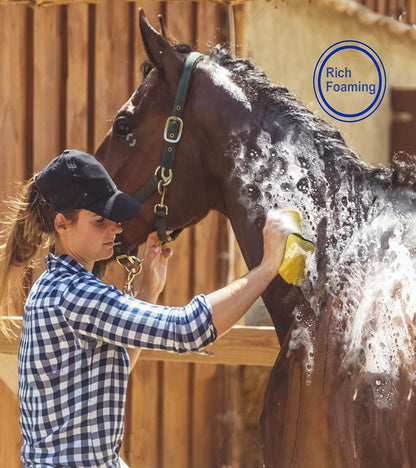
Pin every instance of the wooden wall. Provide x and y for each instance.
(402, 134)
(65, 72)
(402, 10)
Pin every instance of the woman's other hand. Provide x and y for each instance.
(155, 264)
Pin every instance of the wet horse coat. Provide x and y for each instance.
(341, 391)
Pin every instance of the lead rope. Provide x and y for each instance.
(134, 266)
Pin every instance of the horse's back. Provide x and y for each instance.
(355, 404)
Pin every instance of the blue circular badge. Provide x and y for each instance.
(349, 81)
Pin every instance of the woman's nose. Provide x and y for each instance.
(117, 227)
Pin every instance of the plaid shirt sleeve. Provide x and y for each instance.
(102, 312)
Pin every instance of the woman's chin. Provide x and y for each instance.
(106, 254)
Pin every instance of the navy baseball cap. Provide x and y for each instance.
(76, 180)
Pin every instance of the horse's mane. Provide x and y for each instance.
(279, 102)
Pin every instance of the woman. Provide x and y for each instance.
(73, 362)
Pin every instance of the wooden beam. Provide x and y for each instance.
(246, 346)
(36, 3)
(242, 345)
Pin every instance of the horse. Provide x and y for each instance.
(341, 393)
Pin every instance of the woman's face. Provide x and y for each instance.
(88, 239)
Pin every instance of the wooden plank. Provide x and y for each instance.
(254, 382)
(403, 137)
(209, 263)
(176, 376)
(48, 88)
(67, 2)
(206, 403)
(206, 27)
(382, 7)
(38, 3)
(411, 13)
(8, 366)
(242, 345)
(140, 442)
(13, 39)
(77, 78)
(10, 439)
(111, 64)
(231, 421)
(176, 413)
(178, 289)
(48, 82)
(240, 20)
(403, 100)
(180, 21)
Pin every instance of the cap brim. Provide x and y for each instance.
(119, 207)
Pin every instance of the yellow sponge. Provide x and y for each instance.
(298, 253)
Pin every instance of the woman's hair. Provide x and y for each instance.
(29, 225)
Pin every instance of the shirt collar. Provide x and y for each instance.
(64, 262)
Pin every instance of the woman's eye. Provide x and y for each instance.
(100, 220)
(122, 126)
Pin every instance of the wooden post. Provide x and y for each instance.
(403, 136)
(141, 441)
(77, 77)
(111, 64)
(10, 440)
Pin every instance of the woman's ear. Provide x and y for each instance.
(61, 223)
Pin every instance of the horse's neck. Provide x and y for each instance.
(333, 197)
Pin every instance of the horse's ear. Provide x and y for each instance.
(158, 48)
(162, 26)
(165, 33)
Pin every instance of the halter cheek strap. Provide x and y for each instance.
(172, 134)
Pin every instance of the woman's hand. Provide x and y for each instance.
(155, 264)
(279, 224)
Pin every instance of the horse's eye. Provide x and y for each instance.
(146, 68)
(122, 126)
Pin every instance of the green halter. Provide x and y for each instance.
(172, 134)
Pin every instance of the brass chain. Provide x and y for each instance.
(134, 268)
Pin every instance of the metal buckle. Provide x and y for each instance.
(169, 138)
(159, 207)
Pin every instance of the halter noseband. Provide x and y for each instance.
(163, 174)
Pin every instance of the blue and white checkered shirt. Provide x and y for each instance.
(74, 367)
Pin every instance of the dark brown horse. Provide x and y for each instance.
(341, 392)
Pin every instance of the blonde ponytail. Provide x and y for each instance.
(26, 228)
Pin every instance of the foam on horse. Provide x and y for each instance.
(341, 393)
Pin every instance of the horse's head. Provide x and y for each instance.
(132, 150)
